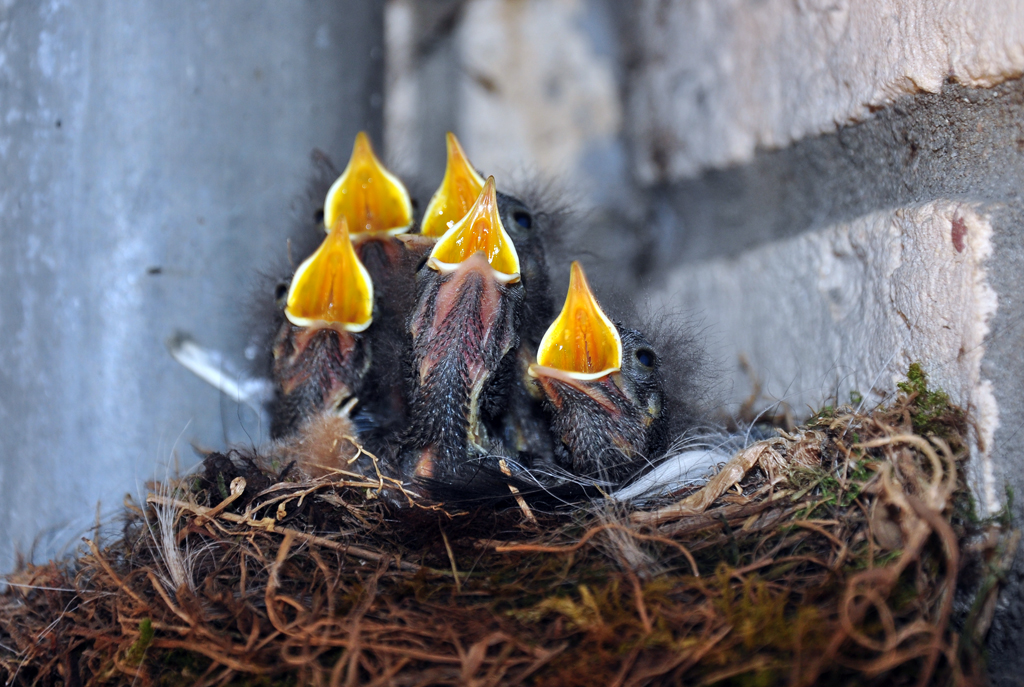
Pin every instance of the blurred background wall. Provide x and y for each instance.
(150, 157)
(832, 189)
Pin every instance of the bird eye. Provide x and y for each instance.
(280, 291)
(422, 262)
(318, 216)
(645, 357)
(523, 219)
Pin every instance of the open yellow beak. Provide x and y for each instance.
(582, 343)
(454, 197)
(480, 231)
(369, 197)
(332, 289)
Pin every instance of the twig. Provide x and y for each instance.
(117, 580)
(451, 558)
(527, 513)
(700, 500)
(266, 524)
(236, 489)
(590, 534)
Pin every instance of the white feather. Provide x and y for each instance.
(213, 368)
(675, 471)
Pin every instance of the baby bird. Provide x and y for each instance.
(521, 423)
(379, 211)
(603, 388)
(464, 328)
(452, 200)
(510, 411)
(318, 372)
(320, 353)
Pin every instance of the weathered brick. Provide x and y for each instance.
(714, 80)
(850, 307)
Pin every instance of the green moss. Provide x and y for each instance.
(222, 487)
(930, 410)
(768, 623)
(965, 509)
(917, 381)
(823, 417)
(137, 651)
(827, 490)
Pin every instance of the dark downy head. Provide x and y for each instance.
(526, 231)
(604, 389)
(320, 356)
(464, 328)
(522, 424)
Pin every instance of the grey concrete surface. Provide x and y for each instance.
(530, 88)
(1004, 364)
(961, 144)
(423, 69)
(150, 158)
(713, 80)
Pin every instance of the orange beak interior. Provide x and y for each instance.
(368, 196)
(480, 231)
(453, 199)
(331, 288)
(582, 342)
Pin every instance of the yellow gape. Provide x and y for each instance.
(454, 197)
(332, 289)
(479, 231)
(582, 342)
(369, 197)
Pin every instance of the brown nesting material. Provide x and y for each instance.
(844, 553)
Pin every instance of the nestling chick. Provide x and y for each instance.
(603, 387)
(508, 409)
(379, 211)
(319, 372)
(452, 201)
(464, 328)
(321, 355)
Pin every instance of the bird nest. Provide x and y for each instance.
(847, 552)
